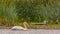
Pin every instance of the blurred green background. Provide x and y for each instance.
(15, 12)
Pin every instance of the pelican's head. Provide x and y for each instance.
(26, 25)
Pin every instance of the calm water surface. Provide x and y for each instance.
(29, 31)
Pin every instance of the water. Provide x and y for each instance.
(30, 31)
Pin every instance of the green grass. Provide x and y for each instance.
(46, 26)
(49, 26)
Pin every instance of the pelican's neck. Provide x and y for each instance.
(25, 23)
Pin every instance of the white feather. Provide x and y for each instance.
(19, 27)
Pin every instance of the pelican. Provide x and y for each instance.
(20, 28)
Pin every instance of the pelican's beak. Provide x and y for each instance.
(28, 25)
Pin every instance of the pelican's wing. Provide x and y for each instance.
(17, 27)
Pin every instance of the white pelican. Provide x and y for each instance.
(20, 28)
